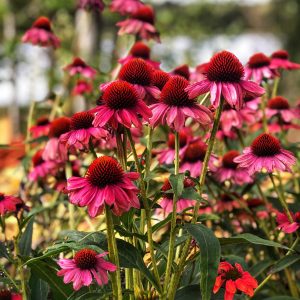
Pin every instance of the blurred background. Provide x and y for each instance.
(191, 31)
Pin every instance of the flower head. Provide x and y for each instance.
(82, 87)
(41, 34)
(280, 106)
(160, 78)
(8, 204)
(175, 107)
(78, 66)
(265, 152)
(228, 170)
(125, 6)
(104, 183)
(183, 71)
(140, 22)
(97, 5)
(227, 203)
(8, 295)
(258, 68)
(41, 127)
(234, 278)
(284, 223)
(121, 105)
(280, 60)
(86, 265)
(82, 131)
(224, 78)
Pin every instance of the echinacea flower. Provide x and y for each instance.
(54, 150)
(121, 105)
(104, 183)
(265, 152)
(227, 203)
(82, 87)
(160, 78)
(41, 34)
(174, 106)
(86, 265)
(9, 295)
(139, 73)
(125, 6)
(140, 50)
(183, 71)
(41, 127)
(167, 155)
(41, 168)
(258, 68)
(82, 131)
(280, 60)
(141, 23)
(280, 106)
(193, 158)
(284, 223)
(182, 203)
(229, 170)
(233, 279)
(225, 78)
(96, 5)
(8, 204)
(78, 66)
(199, 73)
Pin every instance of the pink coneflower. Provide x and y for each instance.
(193, 157)
(8, 204)
(141, 23)
(86, 265)
(125, 6)
(140, 50)
(139, 73)
(224, 78)
(54, 150)
(280, 106)
(121, 105)
(82, 131)
(227, 203)
(41, 34)
(280, 60)
(104, 183)
(229, 170)
(280, 126)
(8, 295)
(82, 87)
(182, 203)
(284, 223)
(252, 102)
(41, 168)
(166, 156)
(265, 152)
(258, 68)
(233, 279)
(78, 66)
(41, 127)
(199, 73)
(231, 118)
(91, 5)
(160, 78)
(175, 107)
(183, 71)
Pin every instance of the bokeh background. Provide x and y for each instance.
(191, 31)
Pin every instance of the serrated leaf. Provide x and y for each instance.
(284, 262)
(210, 252)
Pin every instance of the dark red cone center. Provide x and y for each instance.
(259, 60)
(228, 158)
(145, 14)
(86, 259)
(140, 50)
(282, 54)
(5, 295)
(160, 78)
(82, 120)
(265, 145)
(42, 121)
(37, 158)
(278, 103)
(182, 140)
(195, 151)
(78, 62)
(42, 23)
(59, 126)
(183, 71)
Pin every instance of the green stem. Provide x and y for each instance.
(29, 124)
(185, 250)
(171, 250)
(147, 209)
(68, 170)
(113, 254)
(275, 86)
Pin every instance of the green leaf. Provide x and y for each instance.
(210, 252)
(281, 298)
(38, 287)
(249, 238)
(191, 193)
(260, 267)
(176, 182)
(26, 238)
(3, 250)
(46, 271)
(284, 263)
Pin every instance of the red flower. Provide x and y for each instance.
(234, 278)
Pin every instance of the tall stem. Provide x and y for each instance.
(176, 277)
(113, 254)
(171, 250)
(147, 208)
(68, 170)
